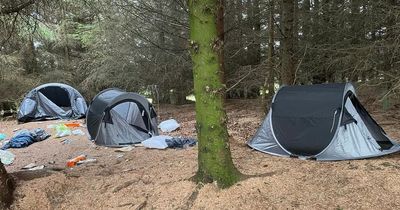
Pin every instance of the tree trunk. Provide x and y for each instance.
(288, 42)
(206, 39)
(6, 188)
(269, 82)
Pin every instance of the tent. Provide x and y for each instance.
(322, 122)
(52, 101)
(117, 118)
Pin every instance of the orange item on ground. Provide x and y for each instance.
(72, 124)
(71, 163)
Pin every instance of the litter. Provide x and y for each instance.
(62, 131)
(163, 142)
(37, 168)
(120, 156)
(66, 141)
(91, 160)
(180, 142)
(51, 126)
(74, 161)
(156, 142)
(2, 136)
(72, 124)
(6, 157)
(17, 129)
(29, 166)
(78, 132)
(125, 149)
(25, 138)
(169, 125)
(33, 167)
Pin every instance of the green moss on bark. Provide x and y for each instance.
(215, 162)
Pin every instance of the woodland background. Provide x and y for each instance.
(143, 46)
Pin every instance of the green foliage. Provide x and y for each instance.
(46, 32)
(86, 34)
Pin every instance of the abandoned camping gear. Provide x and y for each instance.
(168, 125)
(163, 142)
(118, 118)
(322, 122)
(52, 101)
(6, 157)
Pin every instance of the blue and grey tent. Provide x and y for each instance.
(52, 101)
(118, 118)
(322, 122)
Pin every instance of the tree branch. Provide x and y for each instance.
(10, 10)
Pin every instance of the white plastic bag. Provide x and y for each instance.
(168, 125)
(6, 157)
(156, 142)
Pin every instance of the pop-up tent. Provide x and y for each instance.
(118, 118)
(52, 101)
(322, 122)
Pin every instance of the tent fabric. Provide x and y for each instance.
(323, 122)
(52, 101)
(118, 118)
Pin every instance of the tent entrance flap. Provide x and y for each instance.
(305, 119)
(116, 118)
(120, 132)
(376, 131)
(132, 112)
(322, 122)
(57, 95)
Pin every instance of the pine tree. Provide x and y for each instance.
(206, 39)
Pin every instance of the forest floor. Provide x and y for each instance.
(160, 179)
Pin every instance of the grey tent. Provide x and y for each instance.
(117, 118)
(322, 122)
(52, 101)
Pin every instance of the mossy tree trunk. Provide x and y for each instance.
(206, 40)
(6, 188)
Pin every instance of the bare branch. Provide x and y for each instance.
(15, 9)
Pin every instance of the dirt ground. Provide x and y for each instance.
(160, 179)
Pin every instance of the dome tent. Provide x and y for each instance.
(117, 118)
(52, 101)
(322, 122)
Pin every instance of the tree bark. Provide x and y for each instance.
(6, 188)
(206, 40)
(271, 38)
(288, 42)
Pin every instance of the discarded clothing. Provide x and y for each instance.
(168, 125)
(25, 138)
(180, 142)
(39, 134)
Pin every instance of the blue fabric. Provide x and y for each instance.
(25, 138)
